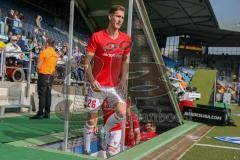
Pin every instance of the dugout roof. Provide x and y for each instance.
(170, 18)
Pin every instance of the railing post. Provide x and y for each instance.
(1, 71)
(3, 66)
(29, 74)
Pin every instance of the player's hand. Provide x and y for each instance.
(96, 86)
(123, 85)
(137, 141)
(131, 136)
(95, 130)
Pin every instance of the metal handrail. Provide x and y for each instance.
(4, 67)
(2, 60)
(14, 20)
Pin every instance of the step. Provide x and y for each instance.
(3, 107)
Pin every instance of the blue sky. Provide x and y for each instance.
(227, 13)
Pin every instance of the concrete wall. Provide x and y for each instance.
(15, 93)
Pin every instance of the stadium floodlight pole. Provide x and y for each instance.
(67, 82)
(129, 32)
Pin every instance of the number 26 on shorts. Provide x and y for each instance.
(92, 103)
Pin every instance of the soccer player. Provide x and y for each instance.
(109, 51)
(132, 131)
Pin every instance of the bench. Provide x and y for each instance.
(3, 107)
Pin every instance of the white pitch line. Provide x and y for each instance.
(180, 157)
(216, 146)
(235, 114)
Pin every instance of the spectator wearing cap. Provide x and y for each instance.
(11, 48)
(47, 62)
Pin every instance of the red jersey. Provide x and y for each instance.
(107, 112)
(108, 54)
(147, 135)
(129, 140)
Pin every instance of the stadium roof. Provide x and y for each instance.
(171, 18)
(187, 17)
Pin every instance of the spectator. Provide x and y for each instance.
(10, 18)
(39, 47)
(31, 45)
(21, 16)
(65, 50)
(32, 48)
(37, 35)
(38, 21)
(42, 38)
(21, 43)
(10, 34)
(17, 21)
(77, 66)
(148, 131)
(76, 55)
(12, 47)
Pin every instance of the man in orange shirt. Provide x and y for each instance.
(47, 62)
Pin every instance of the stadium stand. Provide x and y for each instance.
(59, 34)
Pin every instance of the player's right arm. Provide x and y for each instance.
(95, 129)
(88, 69)
(91, 50)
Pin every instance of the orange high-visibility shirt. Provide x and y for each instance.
(49, 58)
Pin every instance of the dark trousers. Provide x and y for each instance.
(44, 85)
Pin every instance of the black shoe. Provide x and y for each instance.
(87, 153)
(37, 116)
(46, 115)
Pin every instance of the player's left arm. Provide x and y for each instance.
(124, 71)
(136, 128)
(137, 136)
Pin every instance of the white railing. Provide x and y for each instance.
(8, 67)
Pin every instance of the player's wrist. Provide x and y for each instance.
(92, 80)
